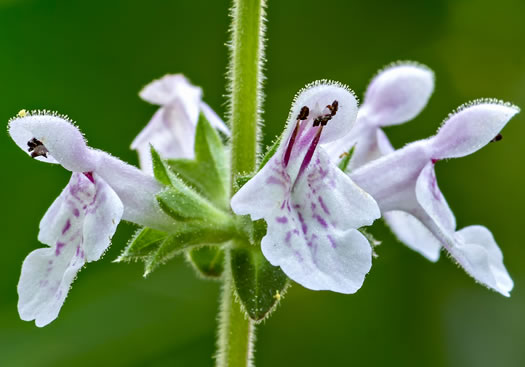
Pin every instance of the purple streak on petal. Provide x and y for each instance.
(304, 227)
(274, 181)
(290, 145)
(282, 219)
(321, 221)
(323, 205)
(60, 245)
(332, 241)
(66, 227)
(309, 154)
(288, 237)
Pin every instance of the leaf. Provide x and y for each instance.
(270, 152)
(208, 173)
(188, 237)
(142, 244)
(160, 171)
(208, 261)
(258, 283)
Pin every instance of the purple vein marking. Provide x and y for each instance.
(66, 227)
(60, 245)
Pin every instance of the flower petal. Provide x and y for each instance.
(45, 282)
(413, 234)
(317, 96)
(78, 226)
(170, 132)
(431, 199)
(213, 118)
(397, 94)
(85, 215)
(101, 219)
(339, 264)
(63, 141)
(137, 190)
(310, 230)
(164, 90)
(482, 258)
(471, 128)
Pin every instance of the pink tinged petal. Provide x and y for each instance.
(101, 219)
(398, 94)
(338, 261)
(170, 132)
(170, 87)
(137, 190)
(431, 199)
(471, 128)
(316, 97)
(78, 226)
(413, 234)
(214, 119)
(391, 179)
(63, 141)
(482, 258)
(265, 193)
(45, 282)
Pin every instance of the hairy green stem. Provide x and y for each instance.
(236, 330)
(245, 74)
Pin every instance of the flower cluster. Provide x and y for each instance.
(333, 172)
(313, 210)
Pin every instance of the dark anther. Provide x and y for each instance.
(323, 119)
(333, 108)
(497, 138)
(36, 148)
(303, 114)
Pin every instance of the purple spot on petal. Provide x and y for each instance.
(313, 206)
(282, 219)
(66, 227)
(321, 221)
(274, 181)
(288, 237)
(76, 212)
(60, 245)
(325, 208)
(332, 241)
(304, 227)
(297, 206)
(434, 161)
(50, 262)
(298, 255)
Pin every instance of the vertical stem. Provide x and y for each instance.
(236, 330)
(245, 73)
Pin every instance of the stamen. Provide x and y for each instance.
(37, 148)
(309, 154)
(323, 119)
(497, 138)
(303, 115)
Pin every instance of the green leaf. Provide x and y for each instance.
(258, 283)
(208, 173)
(346, 159)
(189, 236)
(142, 244)
(160, 171)
(270, 152)
(208, 261)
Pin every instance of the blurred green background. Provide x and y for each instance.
(89, 59)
